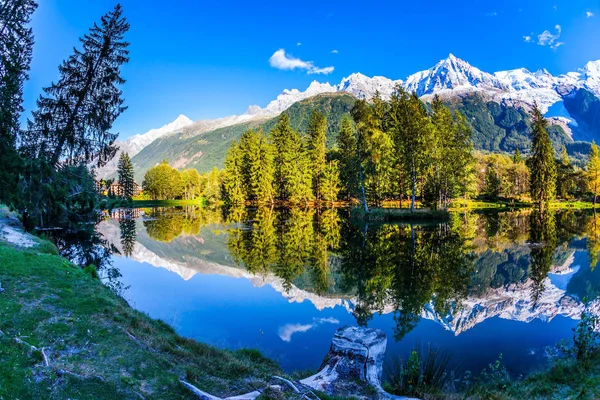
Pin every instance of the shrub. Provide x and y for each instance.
(425, 371)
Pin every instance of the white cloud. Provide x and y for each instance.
(589, 14)
(281, 60)
(324, 71)
(492, 14)
(334, 51)
(547, 38)
(299, 44)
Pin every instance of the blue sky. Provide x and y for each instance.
(210, 58)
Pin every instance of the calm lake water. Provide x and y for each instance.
(283, 281)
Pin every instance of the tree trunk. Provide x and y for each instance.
(414, 188)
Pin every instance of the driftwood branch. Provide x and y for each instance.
(287, 382)
(21, 341)
(201, 395)
(46, 359)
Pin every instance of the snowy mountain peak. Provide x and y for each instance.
(449, 74)
(592, 69)
(138, 142)
(363, 87)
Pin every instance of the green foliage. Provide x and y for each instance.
(348, 159)
(163, 182)
(593, 171)
(426, 371)
(125, 172)
(72, 121)
(16, 47)
(106, 338)
(233, 178)
(541, 163)
(586, 339)
(317, 151)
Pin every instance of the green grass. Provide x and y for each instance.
(97, 345)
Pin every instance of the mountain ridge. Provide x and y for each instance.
(450, 77)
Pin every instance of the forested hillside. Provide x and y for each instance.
(496, 128)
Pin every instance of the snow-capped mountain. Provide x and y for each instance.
(455, 76)
(449, 77)
(136, 143)
(451, 74)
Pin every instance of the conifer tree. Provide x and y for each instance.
(542, 164)
(16, 46)
(564, 182)
(74, 116)
(593, 171)
(330, 182)
(125, 173)
(257, 167)
(517, 158)
(348, 166)
(293, 176)
(233, 180)
(317, 150)
(413, 130)
(16, 43)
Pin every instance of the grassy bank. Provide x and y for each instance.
(65, 335)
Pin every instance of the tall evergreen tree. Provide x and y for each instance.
(257, 167)
(293, 176)
(233, 181)
(564, 170)
(330, 182)
(541, 163)
(16, 46)
(125, 173)
(517, 158)
(593, 171)
(412, 128)
(317, 150)
(75, 114)
(346, 143)
(16, 43)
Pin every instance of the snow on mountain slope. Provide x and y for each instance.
(451, 74)
(363, 87)
(449, 77)
(136, 143)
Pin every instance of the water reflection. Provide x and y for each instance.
(457, 273)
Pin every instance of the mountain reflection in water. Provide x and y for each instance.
(515, 266)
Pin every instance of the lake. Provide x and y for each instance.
(481, 286)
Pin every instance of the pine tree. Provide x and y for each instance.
(257, 167)
(16, 43)
(564, 182)
(293, 176)
(346, 143)
(517, 158)
(317, 150)
(74, 116)
(233, 180)
(16, 47)
(330, 182)
(125, 173)
(412, 132)
(593, 171)
(542, 164)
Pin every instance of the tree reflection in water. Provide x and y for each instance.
(406, 269)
